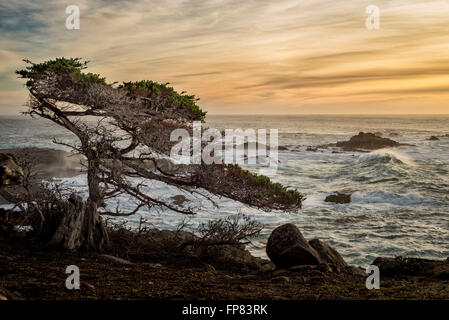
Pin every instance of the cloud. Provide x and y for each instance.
(200, 74)
(245, 55)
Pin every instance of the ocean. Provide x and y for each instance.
(400, 196)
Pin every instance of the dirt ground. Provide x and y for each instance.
(32, 273)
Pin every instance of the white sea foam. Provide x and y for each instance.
(366, 197)
(315, 200)
(388, 153)
(408, 199)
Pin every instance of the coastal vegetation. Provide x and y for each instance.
(122, 134)
(130, 134)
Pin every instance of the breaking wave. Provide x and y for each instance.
(387, 155)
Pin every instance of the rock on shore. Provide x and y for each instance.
(287, 248)
(10, 172)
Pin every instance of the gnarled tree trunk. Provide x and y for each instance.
(81, 226)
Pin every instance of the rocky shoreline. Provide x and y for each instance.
(46, 163)
(30, 272)
(162, 264)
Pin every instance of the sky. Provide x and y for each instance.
(245, 57)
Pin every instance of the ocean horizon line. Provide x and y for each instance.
(298, 114)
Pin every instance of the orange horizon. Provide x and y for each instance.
(288, 57)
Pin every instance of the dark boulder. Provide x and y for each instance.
(433, 138)
(329, 255)
(338, 197)
(10, 172)
(230, 257)
(287, 247)
(406, 266)
(366, 141)
(400, 266)
(179, 200)
(357, 271)
(5, 294)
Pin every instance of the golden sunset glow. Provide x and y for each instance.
(266, 57)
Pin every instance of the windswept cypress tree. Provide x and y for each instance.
(132, 127)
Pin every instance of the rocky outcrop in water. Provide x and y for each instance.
(364, 141)
(433, 138)
(179, 200)
(288, 248)
(338, 197)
